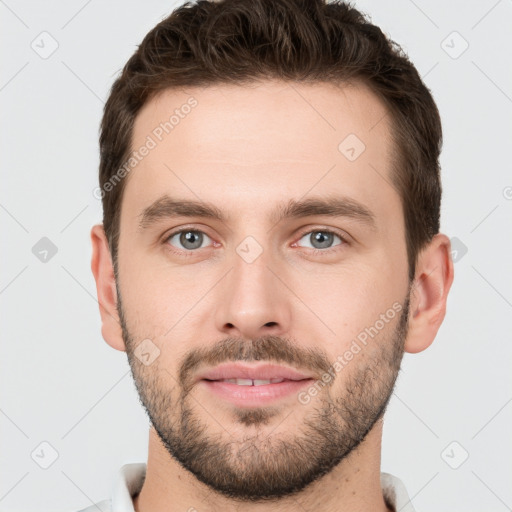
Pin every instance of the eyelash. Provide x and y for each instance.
(313, 251)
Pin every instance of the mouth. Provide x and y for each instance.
(251, 382)
(245, 393)
(252, 386)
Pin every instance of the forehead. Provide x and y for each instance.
(268, 141)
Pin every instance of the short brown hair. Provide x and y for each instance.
(242, 41)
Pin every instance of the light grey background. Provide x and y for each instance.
(63, 385)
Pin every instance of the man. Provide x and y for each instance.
(270, 248)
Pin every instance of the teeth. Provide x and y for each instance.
(251, 382)
(261, 382)
(243, 382)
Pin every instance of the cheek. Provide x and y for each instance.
(352, 301)
(155, 297)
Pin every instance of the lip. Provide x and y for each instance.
(259, 372)
(254, 396)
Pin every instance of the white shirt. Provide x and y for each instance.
(129, 480)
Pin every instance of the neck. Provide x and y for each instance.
(352, 486)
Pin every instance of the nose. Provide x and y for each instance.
(253, 301)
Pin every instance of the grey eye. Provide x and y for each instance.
(189, 239)
(321, 239)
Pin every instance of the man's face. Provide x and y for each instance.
(313, 292)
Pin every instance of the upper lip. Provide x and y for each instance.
(259, 372)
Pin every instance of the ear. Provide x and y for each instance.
(429, 292)
(103, 271)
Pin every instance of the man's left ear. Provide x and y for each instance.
(429, 292)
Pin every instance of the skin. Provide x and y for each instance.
(245, 150)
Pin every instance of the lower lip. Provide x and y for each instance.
(251, 396)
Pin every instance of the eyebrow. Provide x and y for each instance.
(167, 207)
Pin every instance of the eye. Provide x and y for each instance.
(321, 240)
(190, 239)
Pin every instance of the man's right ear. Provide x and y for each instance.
(103, 271)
